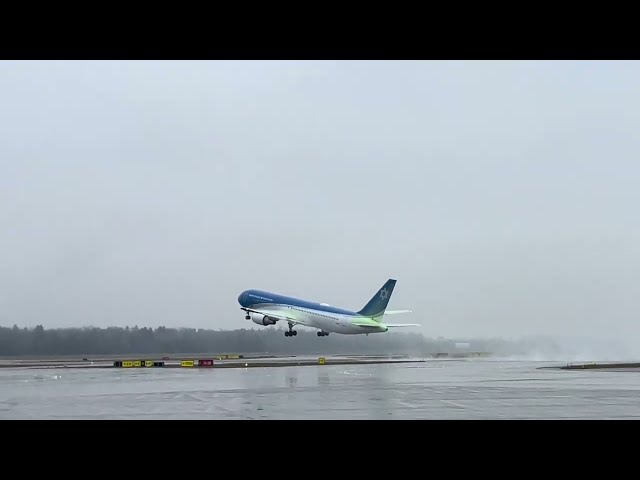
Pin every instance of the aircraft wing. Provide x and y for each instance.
(277, 317)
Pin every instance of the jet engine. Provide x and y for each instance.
(262, 320)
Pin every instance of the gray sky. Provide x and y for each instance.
(502, 196)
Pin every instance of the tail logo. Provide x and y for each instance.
(384, 294)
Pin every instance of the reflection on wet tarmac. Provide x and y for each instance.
(437, 389)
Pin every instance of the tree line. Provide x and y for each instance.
(16, 341)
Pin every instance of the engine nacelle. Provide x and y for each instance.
(262, 320)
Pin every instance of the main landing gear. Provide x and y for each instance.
(322, 334)
(291, 332)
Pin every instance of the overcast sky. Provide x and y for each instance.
(503, 196)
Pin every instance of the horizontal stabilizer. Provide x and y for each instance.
(396, 312)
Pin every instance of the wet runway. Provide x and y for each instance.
(435, 389)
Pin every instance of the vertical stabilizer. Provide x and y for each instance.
(378, 303)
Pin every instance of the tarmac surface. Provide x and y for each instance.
(231, 361)
(431, 389)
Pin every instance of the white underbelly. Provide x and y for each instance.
(332, 324)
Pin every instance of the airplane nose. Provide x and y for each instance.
(241, 298)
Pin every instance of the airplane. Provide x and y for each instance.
(266, 308)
